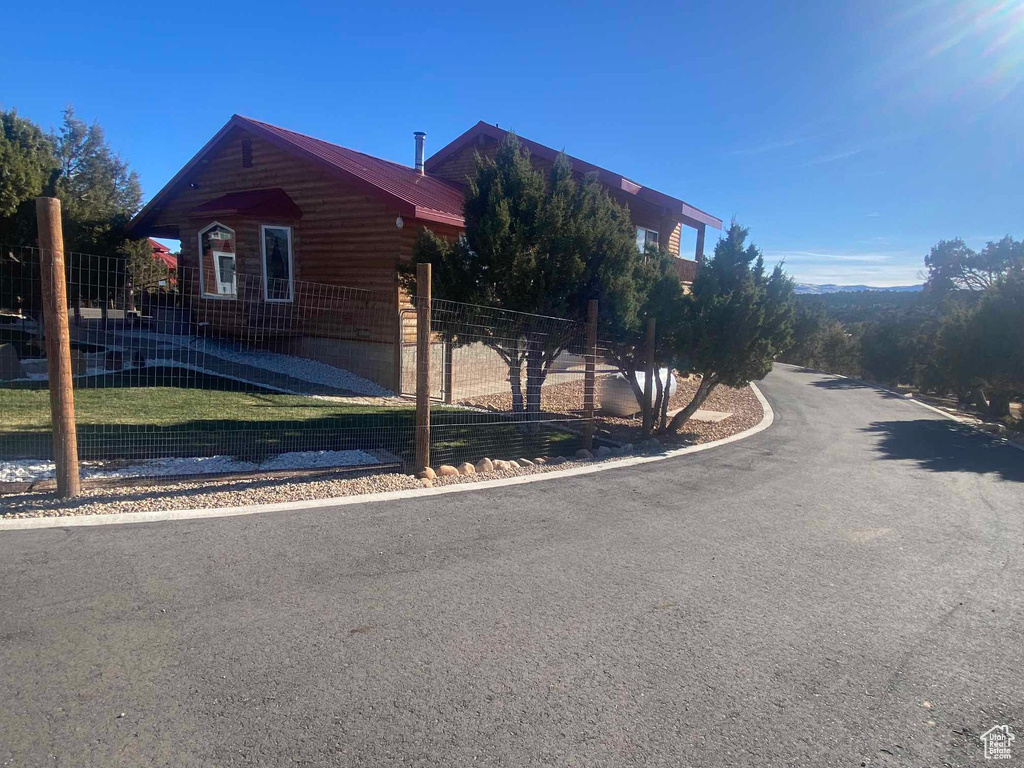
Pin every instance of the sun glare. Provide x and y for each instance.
(980, 41)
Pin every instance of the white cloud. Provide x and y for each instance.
(762, 148)
(816, 256)
(877, 268)
(831, 158)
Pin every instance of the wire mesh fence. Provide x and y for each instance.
(173, 379)
(188, 375)
(517, 381)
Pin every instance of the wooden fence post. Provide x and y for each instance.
(648, 409)
(588, 377)
(423, 304)
(58, 345)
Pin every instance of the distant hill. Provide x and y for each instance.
(810, 288)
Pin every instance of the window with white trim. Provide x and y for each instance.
(646, 239)
(217, 261)
(277, 262)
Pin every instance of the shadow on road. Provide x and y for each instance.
(836, 382)
(841, 384)
(942, 446)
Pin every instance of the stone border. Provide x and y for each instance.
(343, 501)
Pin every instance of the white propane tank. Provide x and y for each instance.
(616, 396)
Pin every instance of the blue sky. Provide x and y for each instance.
(849, 137)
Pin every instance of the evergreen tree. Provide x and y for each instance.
(952, 266)
(998, 334)
(98, 191)
(735, 322)
(537, 248)
(26, 161)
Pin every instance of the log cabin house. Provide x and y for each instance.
(293, 242)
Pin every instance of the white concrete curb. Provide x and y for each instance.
(343, 501)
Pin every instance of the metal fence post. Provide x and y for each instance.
(58, 346)
(448, 366)
(648, 409)
(397, 360)
(423, 305)
(589, 377)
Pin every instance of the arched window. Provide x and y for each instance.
(217, 261)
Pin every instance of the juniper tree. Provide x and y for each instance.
(538, 248)
(735, 321)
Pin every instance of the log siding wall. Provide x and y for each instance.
(345, 237)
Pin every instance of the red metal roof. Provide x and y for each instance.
(433, 198)
(253, 202)
(413, 195)
(163, 254)
(692, 216)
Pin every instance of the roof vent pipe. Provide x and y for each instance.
(420, 136)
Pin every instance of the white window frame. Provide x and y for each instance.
(263, 264)
(216, 264)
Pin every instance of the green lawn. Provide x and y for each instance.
(139, 422)
(29, 409)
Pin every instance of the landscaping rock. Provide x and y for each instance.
(993, 429)
(554, 461)
(426, 474)
(500, 465)
(466, 469)
(485, 465)
(10, 365)
(513, 465)
(447, 470)
(627, 448)
(584, 454)
(540, 460)
(525, 462)
(426, 482)
(603, 452)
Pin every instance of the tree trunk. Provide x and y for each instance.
(515, 370)
(638, 391)
(978, 398)
(999, 405)
(534, 379)
(659, 400)
(707, 384)
(664, 402)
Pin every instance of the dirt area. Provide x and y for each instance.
(964, 411)
(742, 403)
(567, 399)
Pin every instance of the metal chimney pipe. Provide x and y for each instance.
(420, 136)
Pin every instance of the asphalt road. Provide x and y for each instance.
(845, 588)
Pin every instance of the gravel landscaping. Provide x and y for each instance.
(743, 404)
(567, 399)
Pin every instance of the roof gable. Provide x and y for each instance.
(687, 213)
(412, 194)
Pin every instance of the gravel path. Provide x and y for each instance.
(743, 404)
